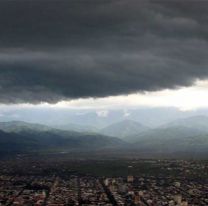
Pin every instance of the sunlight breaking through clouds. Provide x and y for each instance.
(184, 98)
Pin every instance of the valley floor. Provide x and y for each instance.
(54, 181)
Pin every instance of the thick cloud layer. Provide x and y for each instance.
(55, 50)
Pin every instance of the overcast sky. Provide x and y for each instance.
(122, 53)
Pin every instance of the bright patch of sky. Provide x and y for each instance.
(184, 98)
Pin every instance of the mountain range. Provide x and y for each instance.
(189, 136)
(22, 137)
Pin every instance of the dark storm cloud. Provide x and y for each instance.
(54, 50)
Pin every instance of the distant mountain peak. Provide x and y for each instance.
(124, 128)
(198, 122)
